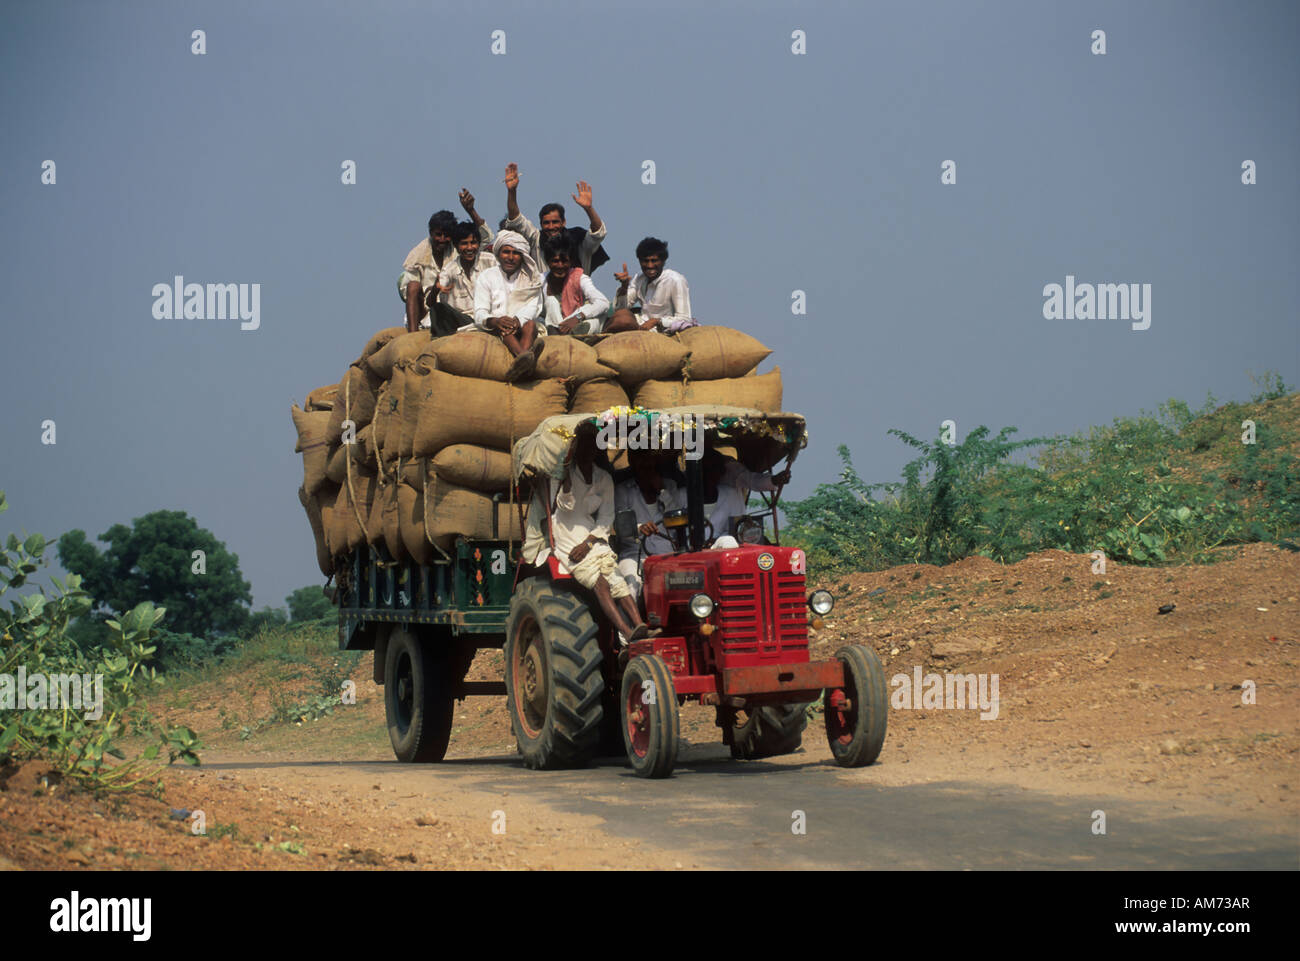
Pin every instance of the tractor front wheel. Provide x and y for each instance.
(856, 712)
(650, 722)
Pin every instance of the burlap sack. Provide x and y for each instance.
(639, 355)
(762, 392)
(312, 507)
(313, 444)
(451, 511)
(347, 533)
(599, 395)
(718, 352)
(410, 521)
(322, 398)
(388, 417)
(381, 340)
(472, 353)
(355, 401)
(416, 387)
(568, 357)
(467, 410)
(361, 453)
(375, 517)
(478, 468)
(386, 499)
(404, 347)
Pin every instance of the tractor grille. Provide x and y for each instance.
(762, 612)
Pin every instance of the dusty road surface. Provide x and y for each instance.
(1176, 733)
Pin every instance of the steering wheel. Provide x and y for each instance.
(661, 531)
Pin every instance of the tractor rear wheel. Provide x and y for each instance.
(650, 722)
(418, 698)
(769, 730)
(856, 713)
(553, 678)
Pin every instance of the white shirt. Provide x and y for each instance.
(731, 503)
(595, 306)
(584, 510)
(496, 295)
(667, 299)
(733, 495)
(462, 284)
(627, 497)
(420, 266)
(586, 249)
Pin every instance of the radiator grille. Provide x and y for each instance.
(762, 612)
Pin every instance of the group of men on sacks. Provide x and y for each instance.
(450, 283)
(535, 281)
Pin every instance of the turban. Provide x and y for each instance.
(509, 238)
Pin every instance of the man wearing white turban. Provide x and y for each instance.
(506, 301)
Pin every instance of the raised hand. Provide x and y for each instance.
(467, 200)
(512, 176)
(583, 197)
(623, 277)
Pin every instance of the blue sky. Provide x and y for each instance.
(774, 172)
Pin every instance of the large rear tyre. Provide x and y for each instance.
(418, 699)
(553, 677)
(769, 730)
(650, 722)
(856, 713)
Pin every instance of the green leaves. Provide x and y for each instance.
(78, 725)
(1150, 489)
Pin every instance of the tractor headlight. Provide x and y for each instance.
(701, 606)
(821, 602)
(749, 530)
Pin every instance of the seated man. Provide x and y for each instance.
(727, 484)
(573, 305)
(663, 294)
(579, 530)
(648, 495)
(427, 259)
(587, 243)
(453, 308)
(507, 301)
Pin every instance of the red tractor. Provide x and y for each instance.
(731, 625)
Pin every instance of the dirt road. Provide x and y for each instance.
(1176, 733)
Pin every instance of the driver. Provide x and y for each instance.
(727, 484)
(648, 495)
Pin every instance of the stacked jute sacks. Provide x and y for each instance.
(410, 447)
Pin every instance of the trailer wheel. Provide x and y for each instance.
(553, 678)
(650, 722)
(417, 699)
(856, 713)
(769, 730)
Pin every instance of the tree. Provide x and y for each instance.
(157, 559)
(308, 604)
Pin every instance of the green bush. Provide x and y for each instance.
(1135, 490)
(34, 637)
